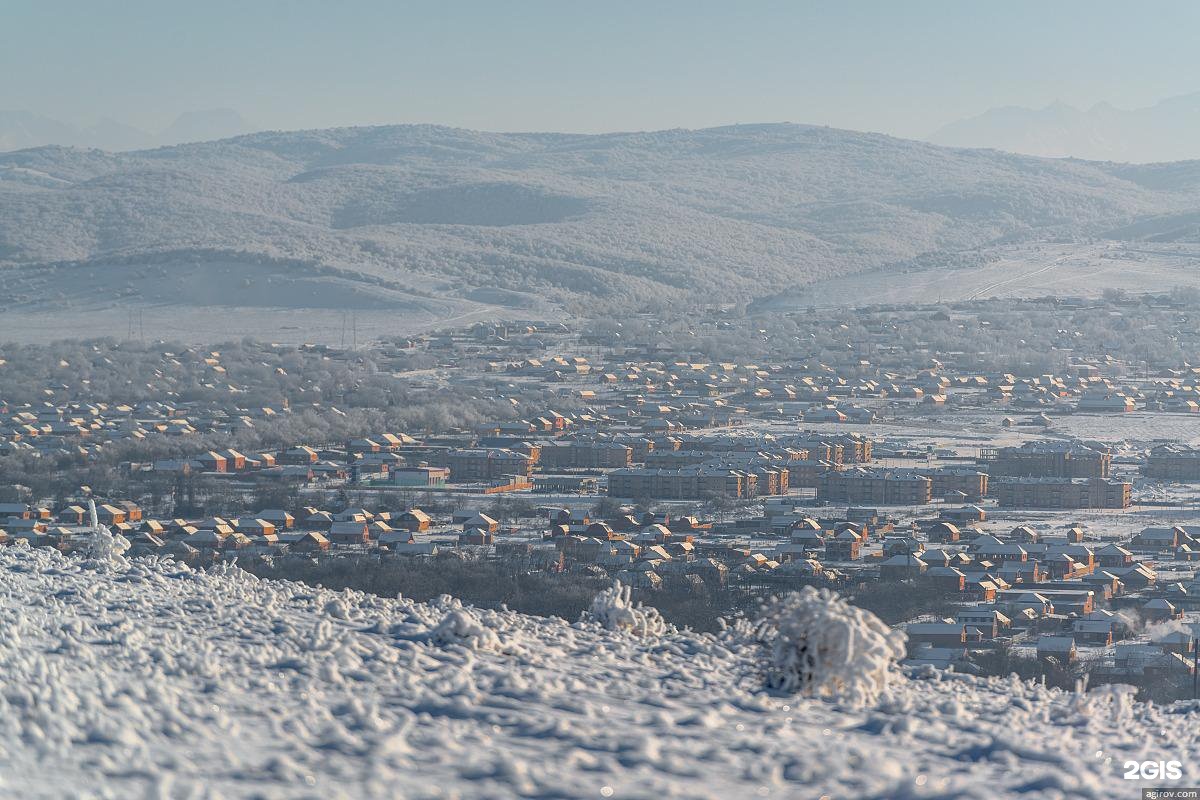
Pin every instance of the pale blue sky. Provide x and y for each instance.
(903, 67)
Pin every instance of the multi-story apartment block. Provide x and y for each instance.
(878, 486)
(1061, 492)
(1044, 459)
(483, 464)
(586, 455)
(947, 481)
(1178, 462)
(693, 482)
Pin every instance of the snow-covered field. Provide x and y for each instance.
(219, 299)
(1138, 426)
(147, 679)
(1025, 270)
(212, 325)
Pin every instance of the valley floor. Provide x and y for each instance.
(1027, 270)
(204, 325)
(215, 301)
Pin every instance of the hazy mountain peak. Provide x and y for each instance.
(205, 125)
(20, 130)
(109, 134)
(1166, 131)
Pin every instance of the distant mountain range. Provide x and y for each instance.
(1166, 131)
(586, 221)
(23, 129)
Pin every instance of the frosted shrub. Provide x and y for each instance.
(1111, 700)
(105, 548)
(460, 627)
(230, 570)
(615, 610)
(822, 646)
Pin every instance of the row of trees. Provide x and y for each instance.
(1021, 336)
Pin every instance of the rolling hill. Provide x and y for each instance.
(417, 215)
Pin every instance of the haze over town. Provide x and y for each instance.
(539, 400)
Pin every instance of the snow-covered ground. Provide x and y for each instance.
(1021, 270)
(1138, 426)
(147, 679)
(193, 325)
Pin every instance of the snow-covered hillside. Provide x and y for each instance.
(744, 211)
(147, 679)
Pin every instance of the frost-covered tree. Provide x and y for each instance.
(822, 646)
(614, 609)
(105, 548)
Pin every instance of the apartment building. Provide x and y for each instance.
(686, 483)
(586, 455)
(1046, 459)
(970, 484)
(875, 486)
(856, 449)
(807, 474)
(674, 459)
(1061, 492)
(484, 464)
(1176, 462)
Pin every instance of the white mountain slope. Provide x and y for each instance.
(734, 212)
(146, 679)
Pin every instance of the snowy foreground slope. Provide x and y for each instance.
(147, 679)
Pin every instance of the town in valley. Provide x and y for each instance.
(1011, 482)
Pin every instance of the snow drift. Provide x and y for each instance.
(143, 678)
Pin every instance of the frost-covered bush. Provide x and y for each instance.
(461, 627)
(105, 548)
(1111, 700)
(822, 646)
(614, 610)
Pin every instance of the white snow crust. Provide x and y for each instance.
(143, 678)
